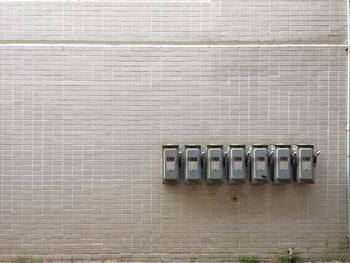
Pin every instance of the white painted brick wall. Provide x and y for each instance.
(83, 118)
(201, 20)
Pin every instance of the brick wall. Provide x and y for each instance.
(91, 90)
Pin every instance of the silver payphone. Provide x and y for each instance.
(281, 163)
(215, 164)
(258, 163)
(193, 163)
(237, 163)
(304, 162)
(170, 164)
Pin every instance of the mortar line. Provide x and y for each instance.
(174, 43)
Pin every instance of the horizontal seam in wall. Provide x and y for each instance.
(172, 43)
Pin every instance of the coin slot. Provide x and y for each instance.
(215, 163)
(260, 164)
(306, 163)
(237, 163)
(193, 163)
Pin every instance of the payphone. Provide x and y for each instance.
(236, 162)
(215, 164)
(193, 163)
(170, 164)
(258, 163)
(281, 163)
(304, 162)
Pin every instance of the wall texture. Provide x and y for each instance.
(91, 90)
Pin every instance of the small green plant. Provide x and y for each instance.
(283, 259)
(287, 259)
(38, 260)
(248, 259)
(22, 259)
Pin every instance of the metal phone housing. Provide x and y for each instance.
(237, 163)
(215, 164)
(259, 163)
(193, 164)
(170, 163)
